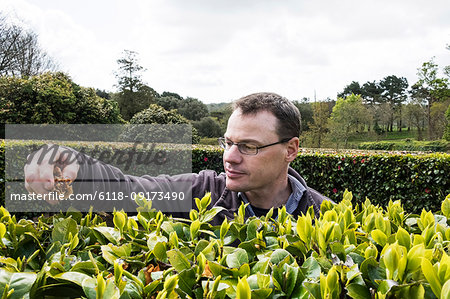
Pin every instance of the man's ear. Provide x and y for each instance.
(292, 149)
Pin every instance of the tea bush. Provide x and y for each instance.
(418, 180)
(348, 251)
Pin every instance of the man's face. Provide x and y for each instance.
(254, 172)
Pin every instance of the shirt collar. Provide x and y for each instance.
(292, 203)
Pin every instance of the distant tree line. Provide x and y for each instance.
(382, 106)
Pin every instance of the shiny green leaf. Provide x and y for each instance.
(178, 260)
(357, 291)
(379, 237)
(237, 258)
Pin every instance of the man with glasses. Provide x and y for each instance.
(260, 142)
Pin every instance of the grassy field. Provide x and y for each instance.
(372, 136)
(357, 138)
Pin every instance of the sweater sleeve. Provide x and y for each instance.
(171, 194)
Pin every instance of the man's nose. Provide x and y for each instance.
(232, 155)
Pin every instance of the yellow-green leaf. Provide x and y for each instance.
(195, 226)
(379, 237)
(391, 259)
(403, 238)
(2, 231)
(415, 256)
(171, 283)
(205, 201)
(445, 207)
(430, 275)
(101, 285)
(119, 220)
(371, 251)
(332, 279)
(445, 293)
(243, 289)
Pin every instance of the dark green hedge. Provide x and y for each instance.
(418, 180)
(407, 145)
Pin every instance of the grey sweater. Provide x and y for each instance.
(102, 177)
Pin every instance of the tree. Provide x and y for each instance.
(447, 129)
(438, 119)
(383, 114)
(221, 113)
(430, 89)
(319, 127)
(208, 127)
(192, 109)
(131, 103)
(348, 116)
(20, 52)
(415, 115)
(371, 92)
(352, 88)
(306, 112)
(172, 95)
(133, 96)
(103, 94)
(53, 98)
(168, 102)
(155, 114)
(394, 93)
(129, 74)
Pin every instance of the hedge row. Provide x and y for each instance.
(418, 180)
(349, 251)
(407, 145)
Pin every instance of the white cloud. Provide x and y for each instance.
(220, 50)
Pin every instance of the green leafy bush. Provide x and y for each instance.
(208, 127)
(407, 145)
(156, 114)
(53, 98)
(348, 251)
(418, 180)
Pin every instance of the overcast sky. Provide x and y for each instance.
(220, 50)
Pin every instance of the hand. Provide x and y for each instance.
(40, 167)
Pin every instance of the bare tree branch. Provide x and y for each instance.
(20, 52)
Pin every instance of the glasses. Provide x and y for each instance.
(246, 148)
